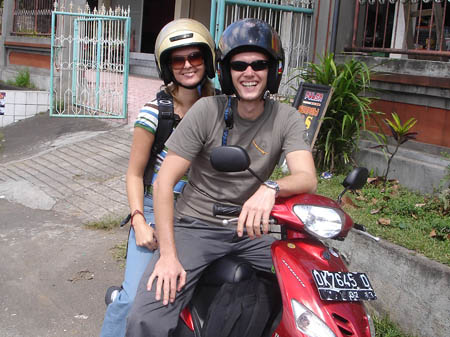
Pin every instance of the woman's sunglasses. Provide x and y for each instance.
(256, 65)
(195, 59)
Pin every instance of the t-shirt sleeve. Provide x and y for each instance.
(295, 137)
(188, 138)
(148, 117)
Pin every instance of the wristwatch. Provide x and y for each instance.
(273, 185)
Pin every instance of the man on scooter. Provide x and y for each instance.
(251, 62)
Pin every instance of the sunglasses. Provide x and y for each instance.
(195, 59)
(256, 65)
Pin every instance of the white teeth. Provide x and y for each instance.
(249, 84)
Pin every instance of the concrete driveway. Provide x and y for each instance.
(53, 271)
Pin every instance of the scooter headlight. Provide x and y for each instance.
(323, 222)
(308, 323)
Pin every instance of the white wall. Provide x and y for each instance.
(20, 104)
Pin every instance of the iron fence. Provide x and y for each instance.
(414, 27)
(90, 60)
(32, 17)
(292, 19)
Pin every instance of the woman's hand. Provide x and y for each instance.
(145, 234)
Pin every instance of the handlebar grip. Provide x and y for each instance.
(220, 209)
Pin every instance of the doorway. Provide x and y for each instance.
(155, 16)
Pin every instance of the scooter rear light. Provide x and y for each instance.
(308, 323)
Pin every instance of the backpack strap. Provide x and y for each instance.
(228, 116)
(167, 120)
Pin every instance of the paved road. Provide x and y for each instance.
(57, 174)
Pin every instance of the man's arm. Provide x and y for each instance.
(256, 210)
(168, 270)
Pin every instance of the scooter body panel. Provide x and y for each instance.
(294, 261)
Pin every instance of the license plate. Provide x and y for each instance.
(340, 286)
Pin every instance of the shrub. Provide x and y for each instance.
(347, 111)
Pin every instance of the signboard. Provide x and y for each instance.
(2, 102)
(312, 101)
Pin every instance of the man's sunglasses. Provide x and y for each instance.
(256, 65)
(195, 59)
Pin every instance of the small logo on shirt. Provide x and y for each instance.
(258, 148)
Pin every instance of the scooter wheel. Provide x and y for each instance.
(111, 294)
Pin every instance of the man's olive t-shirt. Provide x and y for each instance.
(280, 128)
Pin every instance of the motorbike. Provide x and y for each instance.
(318, 295)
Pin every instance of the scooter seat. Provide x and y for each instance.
(228, 269)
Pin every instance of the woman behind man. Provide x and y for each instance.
(184, 53)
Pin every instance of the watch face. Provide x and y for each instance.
(272, 184)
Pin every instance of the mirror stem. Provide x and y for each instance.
(255, 175)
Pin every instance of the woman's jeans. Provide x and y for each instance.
(138, 258)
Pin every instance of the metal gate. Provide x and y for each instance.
(292, 19)
(89, 62)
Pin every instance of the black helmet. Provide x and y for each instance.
(250, 35)
(183, 33)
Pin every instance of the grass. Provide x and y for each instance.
(119, 253)
(385, 328)
(417, 222)
(107, 223)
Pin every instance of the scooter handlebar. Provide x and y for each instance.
(220, 209)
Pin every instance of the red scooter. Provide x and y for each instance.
(318, 295)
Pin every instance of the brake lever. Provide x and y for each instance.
(362, 229)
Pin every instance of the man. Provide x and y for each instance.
(251, 62)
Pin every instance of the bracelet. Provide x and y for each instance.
(135, 213)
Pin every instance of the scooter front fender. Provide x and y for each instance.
(294, 261)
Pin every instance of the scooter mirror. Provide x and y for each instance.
(229, 159)
(356, 179)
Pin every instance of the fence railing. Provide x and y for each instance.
(413, 27)
(32, 17)
(292, 19)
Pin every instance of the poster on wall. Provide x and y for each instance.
(312, 102)
(2, 102)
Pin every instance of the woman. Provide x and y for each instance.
(184, 54)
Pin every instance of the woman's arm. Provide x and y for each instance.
(139, 156)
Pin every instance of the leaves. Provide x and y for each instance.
(384, 221)
(347, 112)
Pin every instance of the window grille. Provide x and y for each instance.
(32, 17)
(415, 27)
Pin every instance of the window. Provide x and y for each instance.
(32, 17)
(415, 27)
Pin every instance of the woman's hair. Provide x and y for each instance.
(207, 90)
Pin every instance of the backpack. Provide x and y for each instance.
(240, 309)
(167, 120)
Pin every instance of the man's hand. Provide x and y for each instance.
(145, 235)
(168, 272)
(255, 211)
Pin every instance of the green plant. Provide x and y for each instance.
(107, 223)
(22, 80)
(414, 221)
(400, 132)
(347, 111)
(384, 327)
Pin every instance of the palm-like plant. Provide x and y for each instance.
(347, 111)
(400, 132)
